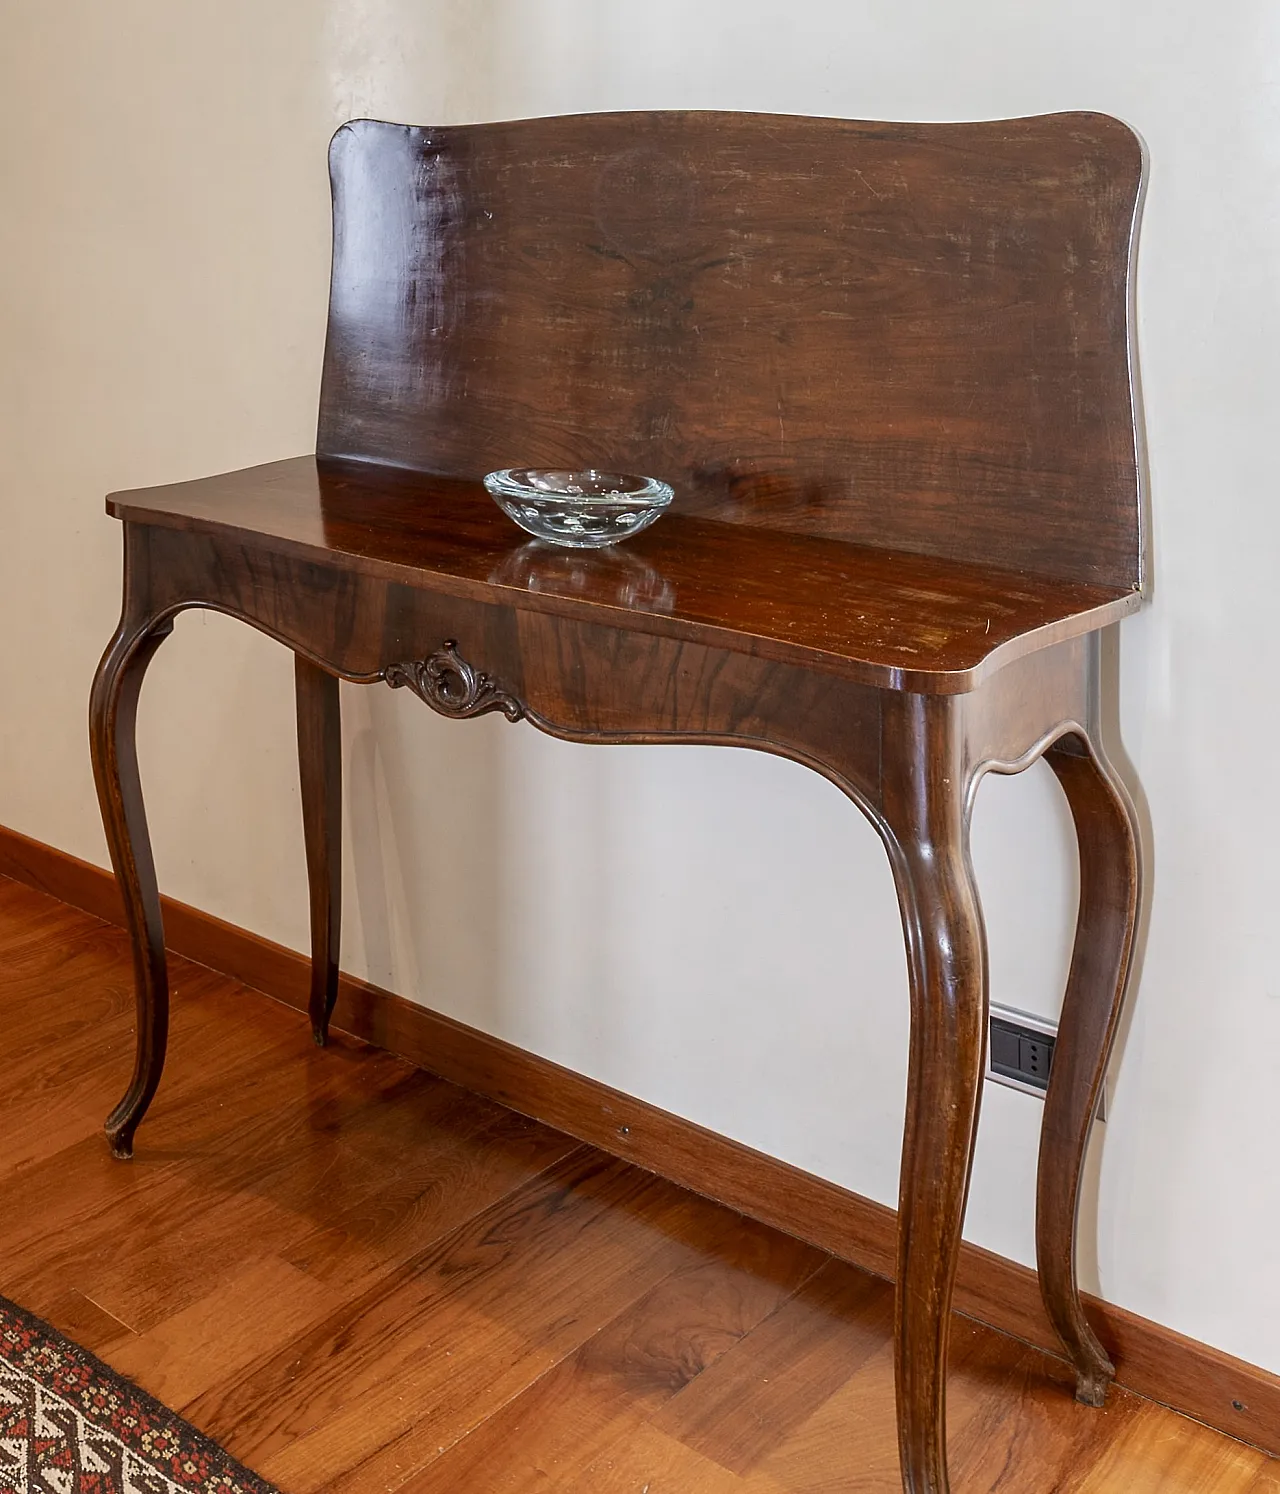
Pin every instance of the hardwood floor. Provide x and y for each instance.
(361, 1278)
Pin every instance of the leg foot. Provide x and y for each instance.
(1091, 1390)
(113, 710)
(320, 773)
(1096, 986)
(121, 1143)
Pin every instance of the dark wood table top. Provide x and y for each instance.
(881, 617)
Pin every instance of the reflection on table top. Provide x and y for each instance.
(884, 617)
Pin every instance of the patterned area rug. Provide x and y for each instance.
(71, 1425)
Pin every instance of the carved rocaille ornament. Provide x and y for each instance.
(453, 687)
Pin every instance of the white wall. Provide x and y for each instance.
(712, 930)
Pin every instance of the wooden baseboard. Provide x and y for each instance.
(1236, 1398)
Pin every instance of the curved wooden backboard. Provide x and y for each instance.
(911, 336)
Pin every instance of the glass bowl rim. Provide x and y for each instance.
(654, 493)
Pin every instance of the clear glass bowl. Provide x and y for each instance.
(583, 510)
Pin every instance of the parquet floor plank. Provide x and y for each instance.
(567, 1421)
(1163, 1453)
(468, 1325)
(83, 1321)
(753, 1400)
(268, 1292)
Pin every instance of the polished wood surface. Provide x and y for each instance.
(113, 710)
(1239, 1399)
(907, 622)
(359, 1277)
(888, 369)
(1110, 888)
(320, 776)
(906, 335)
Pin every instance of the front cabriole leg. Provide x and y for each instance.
(926, 829)
(113, 709)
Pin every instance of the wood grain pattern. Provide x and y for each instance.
(1236, 1398)
(713, 1356)
(742, 1411)
(927, 805)
(623, 1374)
(910, 335)
(1110, 891)
(113, 709)
(461, 1325)
(880, 617)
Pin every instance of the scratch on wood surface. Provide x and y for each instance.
(879, 196)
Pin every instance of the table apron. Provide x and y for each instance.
(589, 682)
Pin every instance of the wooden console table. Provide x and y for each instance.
(887, 370)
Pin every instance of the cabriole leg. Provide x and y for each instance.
(1096, 985)
(926, 815)
(113, 709)
(320, 771)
